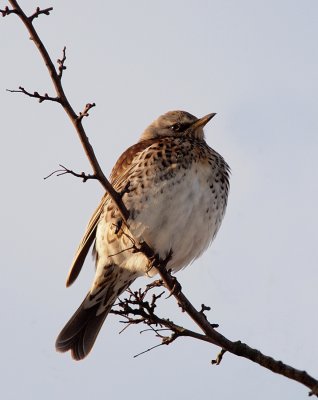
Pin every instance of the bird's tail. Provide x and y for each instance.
(80, 332)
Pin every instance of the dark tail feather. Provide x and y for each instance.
(81, 331)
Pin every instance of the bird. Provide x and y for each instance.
(175, 188)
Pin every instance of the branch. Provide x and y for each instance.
(238, 348)
(64, 171)
(136, 309)
(76, 121)
(35, 95)
(38, 12)
(210, 334)
(61, 63)
(84, 113)
(8, 11)
(145, 313)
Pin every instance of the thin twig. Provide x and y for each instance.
(147, 351)
(38, 12)
(84, 113)
(35, 95)
(8, 11)
(61, 63)
(75, 119)
(64, 171)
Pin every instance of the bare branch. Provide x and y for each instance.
(75, 119)
(61, 63)
(238, 348)
(146, 351)
(64, 171)
(35, 95)
(84, 113)
(136, 309)
(38, 12)
(8, 11)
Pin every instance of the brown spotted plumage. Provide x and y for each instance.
(175, 188)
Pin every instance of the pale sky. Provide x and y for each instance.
(255, 63)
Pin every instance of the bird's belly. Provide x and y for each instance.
(181, 215)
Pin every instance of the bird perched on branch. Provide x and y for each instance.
(175, 188)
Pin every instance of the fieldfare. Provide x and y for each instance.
(175, 187)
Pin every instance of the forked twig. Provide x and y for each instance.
(38, 11)
(35, 95)
(61, 63)
(63, 171)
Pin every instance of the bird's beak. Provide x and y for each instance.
(202, 121)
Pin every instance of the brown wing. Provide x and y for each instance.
(85, 244)
(126, 160)
(120, 170)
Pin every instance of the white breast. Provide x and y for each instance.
(181, 214)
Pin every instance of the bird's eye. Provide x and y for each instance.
(176, 127)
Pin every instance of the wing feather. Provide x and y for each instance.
(85, 243)
(119, 177)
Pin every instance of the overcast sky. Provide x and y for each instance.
(255, 63)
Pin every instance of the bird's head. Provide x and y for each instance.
(177, 123)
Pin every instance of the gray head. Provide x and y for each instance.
(177, 123)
